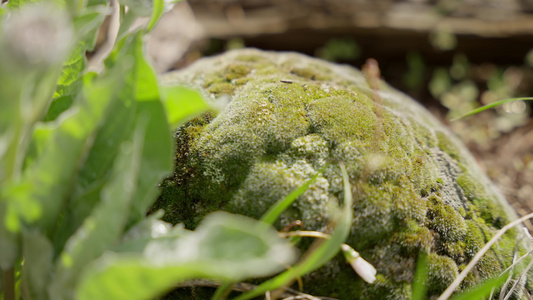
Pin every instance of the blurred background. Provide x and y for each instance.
(450, 55)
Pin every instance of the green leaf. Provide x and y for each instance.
(224, 246)
(15, 4)
(37, 269)
(157, 13)
(488, 106)
(318, 256)
(47, 182)
(116, 126)
(70, 83)
(482, 290)
(148, 229)
(89, 22)
(58, 106)
(182, 104)
(158, 148)
(138, 99)
(275, 210)
(103, 228)
(421, 275)
(157, 157)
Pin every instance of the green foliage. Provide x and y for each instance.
(81, 156)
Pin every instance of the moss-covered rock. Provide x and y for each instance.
(289, 116)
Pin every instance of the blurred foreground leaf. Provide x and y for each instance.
(224, 246)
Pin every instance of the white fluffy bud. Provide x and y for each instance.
(37, 35)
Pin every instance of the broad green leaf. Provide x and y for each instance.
(103, 228)
(70, 83)
(88, 23)
(145, 231)
(319, 255)
(58, 106)
(48, 182)
(224, 246)
(158, 147)
(275, 210)
(116, 125)
(138, 98)
(157, 157)
(182, 104)
(37, 269)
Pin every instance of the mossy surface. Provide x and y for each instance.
(290, 116)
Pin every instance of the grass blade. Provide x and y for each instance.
(488, 106)
(482, 290)
(275, 210)
(421, 275)
(321, 254)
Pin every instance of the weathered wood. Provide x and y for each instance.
(489, 18)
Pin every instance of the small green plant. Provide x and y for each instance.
(81, 156)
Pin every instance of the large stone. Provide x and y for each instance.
(287, 116)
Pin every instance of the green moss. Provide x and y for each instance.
(446, 145)
(447, 222)
(409, 180)
(309, 73)
(235, 71)
(415, 238)
(221, 88)
(252, 58)
(488, 210)
(442, 272)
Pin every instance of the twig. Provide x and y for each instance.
(303, 233)
(455, 284)
(246, 287)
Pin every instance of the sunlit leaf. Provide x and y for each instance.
(49, 182)
(182, 104)
(224, 246)
(104, 227)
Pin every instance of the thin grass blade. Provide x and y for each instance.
(275, 210)
(488, 106)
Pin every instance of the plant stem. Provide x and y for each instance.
(9, 284)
